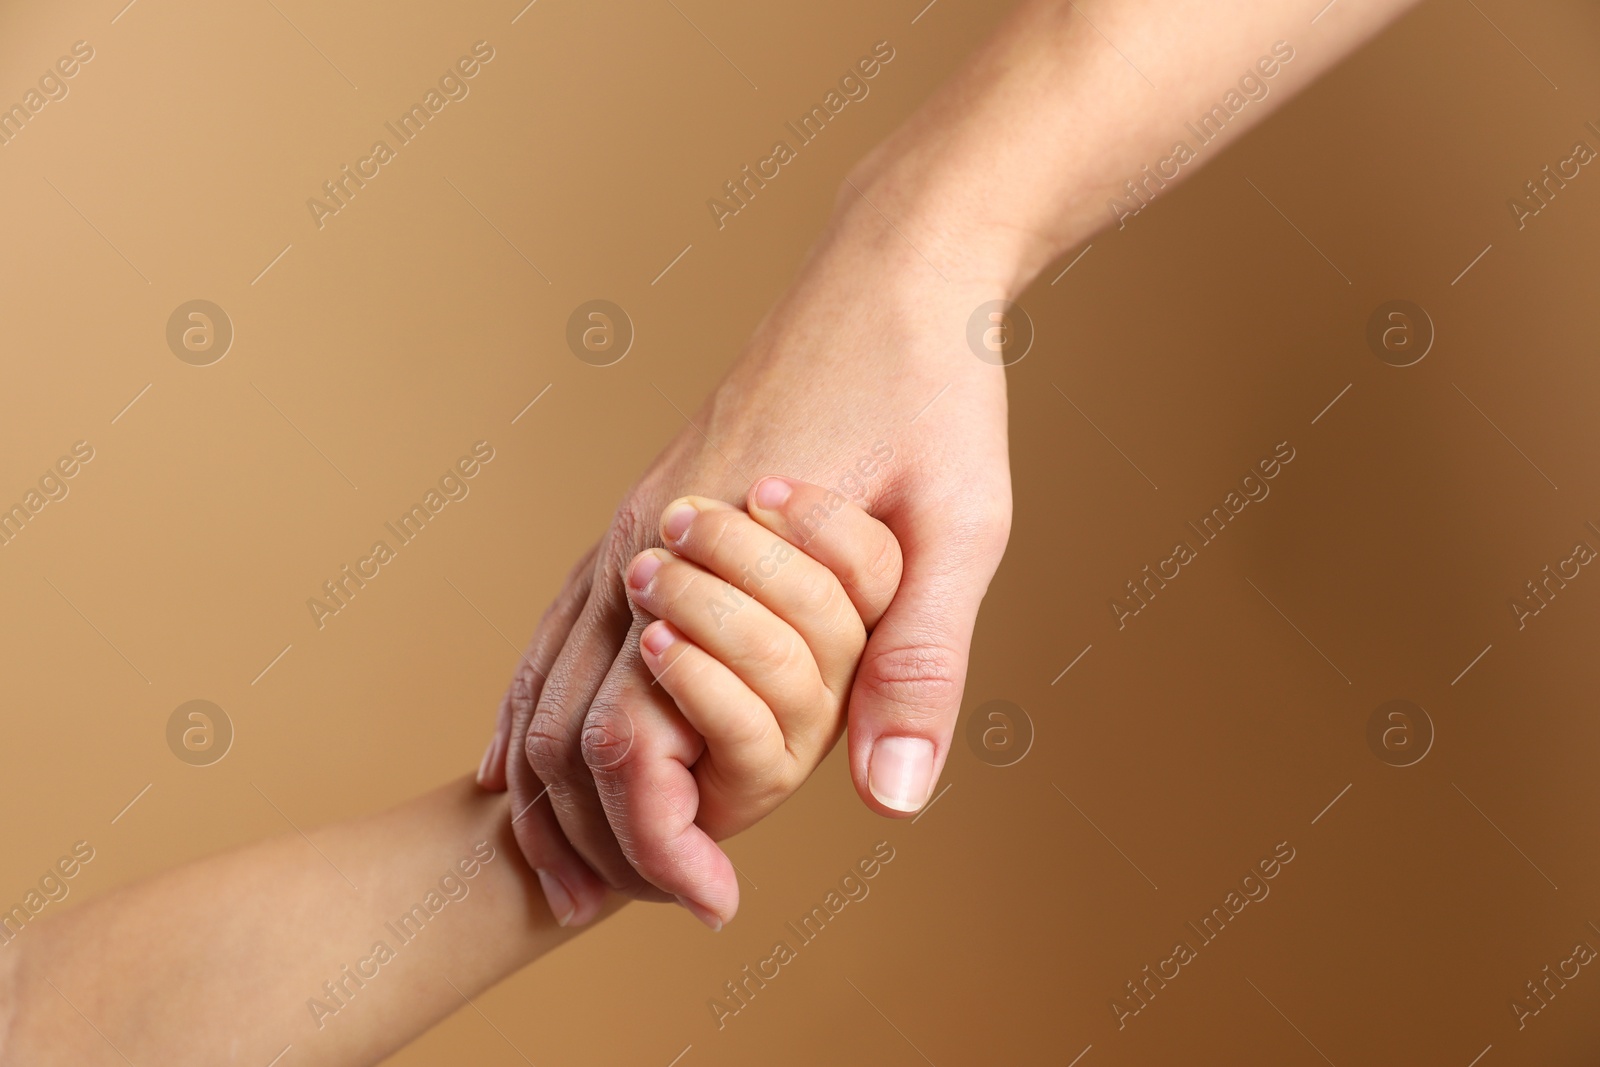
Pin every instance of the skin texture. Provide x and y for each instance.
(1008, 167)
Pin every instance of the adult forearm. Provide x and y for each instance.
(1071, 109)
(346, 950)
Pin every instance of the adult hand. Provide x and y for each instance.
(860, 379)
(1044, 136)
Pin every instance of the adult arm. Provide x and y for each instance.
(1017, 160)
(223, 960)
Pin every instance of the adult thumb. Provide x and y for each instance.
(907, 690)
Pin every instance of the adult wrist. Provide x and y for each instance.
(964, 226)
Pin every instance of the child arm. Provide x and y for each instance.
(226, 959)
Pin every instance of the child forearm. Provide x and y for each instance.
(345, 946)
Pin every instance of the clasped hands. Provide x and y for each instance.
(852, 503)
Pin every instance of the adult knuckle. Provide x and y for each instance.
(575, 587)
(632, 519)
(549, 743)
(524, 687)
(923, 677)
(633, 527)
(974, 525)
(991, 524)
(607, 738)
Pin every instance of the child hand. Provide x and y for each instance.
(762, 617)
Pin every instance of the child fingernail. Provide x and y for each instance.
(772, 492)
(657, 638)
(704, 914)
(561, 903)
(644, 568)
(676, 524)
(900, 773)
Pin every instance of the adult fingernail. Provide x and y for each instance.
(486, 762)
(704, 914)
(644, 568)
(556, 895)
(900, 773)
(657, 638)
(679, 516)
(772, 492)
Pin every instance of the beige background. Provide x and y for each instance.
(378, 348)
